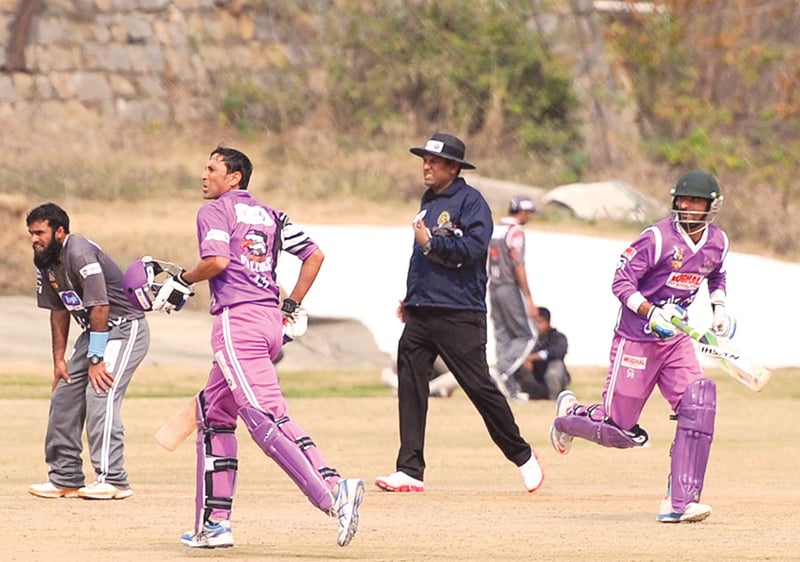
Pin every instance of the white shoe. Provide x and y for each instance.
(104, 491)
(532, 474)
(213, 535)
(562, 442)
(521, 397)
(349, 495)
(693, 513)
(500, 382)
(443, 386)
(389, 378)
(50, 490)
(399, 482)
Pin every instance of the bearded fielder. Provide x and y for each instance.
(74, 277)
(656, 279)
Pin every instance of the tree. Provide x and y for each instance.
(15, 53)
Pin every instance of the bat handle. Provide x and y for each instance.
(681, 324)
(707, 337)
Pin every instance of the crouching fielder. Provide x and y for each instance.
(239, 240)
(657, 278)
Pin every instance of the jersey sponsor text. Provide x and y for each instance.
(684, 281)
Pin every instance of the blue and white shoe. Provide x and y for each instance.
(693, 513)
(213, 535)
(562, 442)
(349, 495)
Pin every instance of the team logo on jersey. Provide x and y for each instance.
(444, 217)
(51, 278)
(708, 265)
(677, 257)
(255, 244)
(626, 257)
(634, 362)
(71, 300)
(629, 253)
(684, 281)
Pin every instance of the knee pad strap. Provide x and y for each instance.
(217, 465)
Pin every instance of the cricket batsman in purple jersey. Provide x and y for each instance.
(239, 241)
(656, 279)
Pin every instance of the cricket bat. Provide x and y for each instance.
(732, 361)
(178, 427)
(183, 422)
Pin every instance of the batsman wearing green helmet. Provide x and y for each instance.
(656, 279)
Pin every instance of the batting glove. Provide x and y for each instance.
(660, 320)
(295, 320)
(173, 294)
(722, 325)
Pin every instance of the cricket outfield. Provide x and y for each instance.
(595, 504)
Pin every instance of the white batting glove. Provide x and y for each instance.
(722, 325)
(660, 320)
(173, 294)
(296, 326)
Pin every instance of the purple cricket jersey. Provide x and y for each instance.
(663, 265)
(251, 235)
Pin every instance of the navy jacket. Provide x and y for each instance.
(453, 273)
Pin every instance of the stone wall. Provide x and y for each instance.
(146, 60)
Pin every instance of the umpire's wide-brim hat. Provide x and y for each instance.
(446, 146)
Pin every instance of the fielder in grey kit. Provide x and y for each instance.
(76, 278)
(657, 277)
(512, 309)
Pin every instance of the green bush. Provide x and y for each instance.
(275, 102)
(471, 67)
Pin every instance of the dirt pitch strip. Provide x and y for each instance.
(596, 504)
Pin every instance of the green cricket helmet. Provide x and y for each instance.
(704, 185)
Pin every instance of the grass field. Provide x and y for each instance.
(595, 504)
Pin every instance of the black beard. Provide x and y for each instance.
(48, 257)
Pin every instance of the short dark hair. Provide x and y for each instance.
(544, 313)
(236, 161)
(52, 213)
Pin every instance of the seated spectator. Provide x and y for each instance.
(543, 374)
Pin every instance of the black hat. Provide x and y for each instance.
(446, 146)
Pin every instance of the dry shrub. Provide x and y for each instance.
(17, 273)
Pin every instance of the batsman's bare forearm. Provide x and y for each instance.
(59, 332)
(521, 277)
(207, 268)
(308, 273)
(98, 318)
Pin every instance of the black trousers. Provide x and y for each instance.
(459, 337)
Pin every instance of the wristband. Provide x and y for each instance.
(97, 343)
(289, 306)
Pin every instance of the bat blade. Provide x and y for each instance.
(178, 427)
(732, 361)
(740, 367)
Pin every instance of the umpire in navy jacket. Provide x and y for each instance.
(444, 311)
